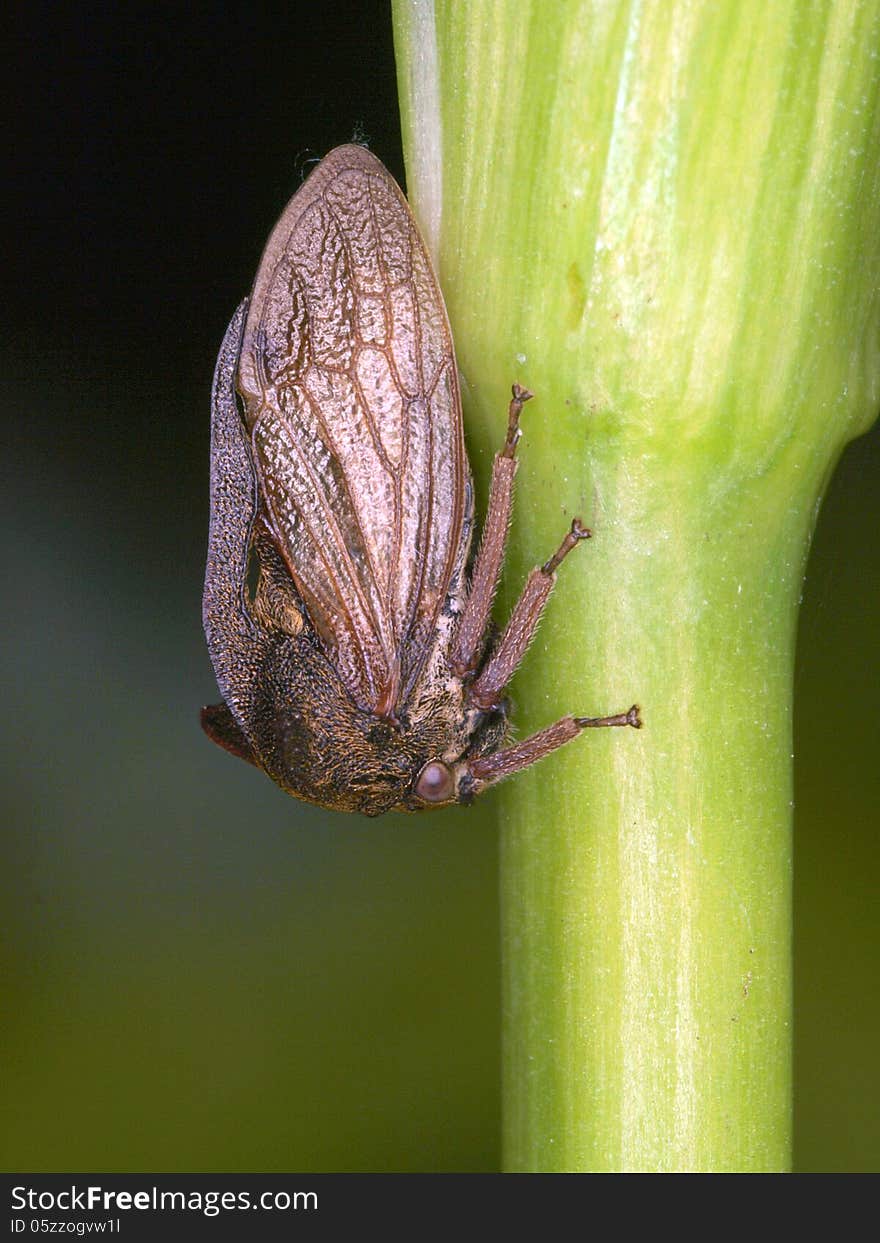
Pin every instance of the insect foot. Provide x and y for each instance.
(514, 410)
(575, 535)
(632, 717)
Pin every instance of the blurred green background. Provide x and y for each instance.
(198, 973)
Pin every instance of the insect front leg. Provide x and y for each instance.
(488, 769)
(488, 688)
(490, 558)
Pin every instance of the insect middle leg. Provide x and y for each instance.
(505, 660)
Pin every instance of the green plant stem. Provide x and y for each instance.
(647, 916)
(664, 219)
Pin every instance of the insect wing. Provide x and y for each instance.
(351, 393)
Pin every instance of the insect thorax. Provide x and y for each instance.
(320, 746)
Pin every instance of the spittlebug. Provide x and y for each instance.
(349, 631)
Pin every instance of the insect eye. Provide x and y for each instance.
(436, 783)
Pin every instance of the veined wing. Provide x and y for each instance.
(351, 393)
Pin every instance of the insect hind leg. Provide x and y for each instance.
(490, 558)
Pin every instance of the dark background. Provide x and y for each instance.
(198, 973)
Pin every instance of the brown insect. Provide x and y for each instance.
(350, 635)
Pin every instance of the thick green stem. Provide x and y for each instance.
(646, 891)
(664, 219)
